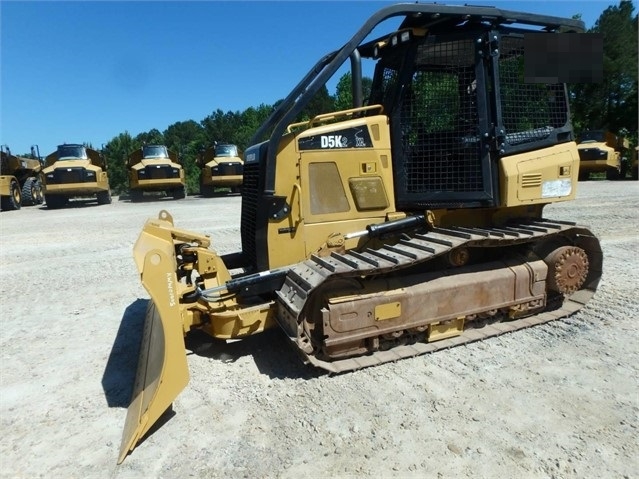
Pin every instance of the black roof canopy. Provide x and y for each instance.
(432, 16)
(441, 18)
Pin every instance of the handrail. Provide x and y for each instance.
(324, 117)
(334, 115)
(298, 188)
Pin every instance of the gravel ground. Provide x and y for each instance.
(556, 401)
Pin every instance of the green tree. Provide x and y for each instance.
(251, 119)
(182, 133)
(187, 138)
(151, 137)
(116, 153)
(612, 104)
(220, 126)
(322, 102)
(344, 91)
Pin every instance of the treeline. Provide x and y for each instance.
(188, 138)
(610, 105)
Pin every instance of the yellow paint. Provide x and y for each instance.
(388, 311)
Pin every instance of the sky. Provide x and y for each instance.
(86, 71)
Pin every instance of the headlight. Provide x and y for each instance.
(90, 174)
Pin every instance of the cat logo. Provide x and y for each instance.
(333, 141)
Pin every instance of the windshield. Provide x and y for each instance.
(154, 151)
(226, 150)
(72, 152)
(596, 135)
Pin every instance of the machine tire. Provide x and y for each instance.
(39, 193)
(623, 172)
(207, 190)
(104, 197)
(612, 174)
(136, 195)
(30, 192)
(179, 193)
(55, 201)
(14, 200)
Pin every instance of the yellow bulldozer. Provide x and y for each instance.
(19, 180)
(220, 167)
(601, 151)
(409, 223)
(75, 171)
(154, 168)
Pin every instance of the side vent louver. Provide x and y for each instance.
(530, 180)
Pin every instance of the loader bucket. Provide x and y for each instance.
(162, 367)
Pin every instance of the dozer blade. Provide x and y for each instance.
(162, 367)
(162, 374)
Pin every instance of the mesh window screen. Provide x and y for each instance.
(389, 82)
(530, 111)
(439, 120)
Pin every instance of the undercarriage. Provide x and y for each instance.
(436, 290)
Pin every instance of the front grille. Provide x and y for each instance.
(250, 198)
(228, 169)
(159, 172)
(69, 175)
(590, 154)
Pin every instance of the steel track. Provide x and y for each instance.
(303, 279)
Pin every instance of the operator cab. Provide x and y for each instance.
(154, 152)
(72, 152)
(226, 150)
(456, 103)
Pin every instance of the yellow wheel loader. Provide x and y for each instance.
(407, 224)
(75, 171)
(154, 168)
(19, 180)
(220, 167)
